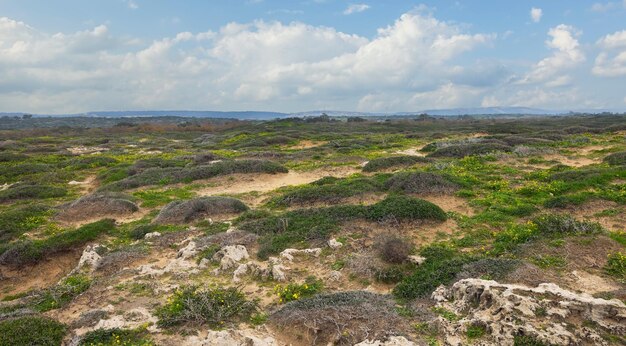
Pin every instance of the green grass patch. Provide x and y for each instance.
(31, 330)
(117, 336)
(155, 197)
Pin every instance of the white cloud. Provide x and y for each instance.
(603, 7)
(611, 61)
(566, 55)
(536, 14)
(356, 8)
(132, 4)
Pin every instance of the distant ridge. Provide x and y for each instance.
(264, 115)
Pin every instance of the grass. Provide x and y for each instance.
(61, 294)
(156, 197)
(24, 191)
(117, 336)
(32, 251)
(31, 330)
(16, 221)
(215, 307)
(293, 292)
(380, 164)
(616, 266)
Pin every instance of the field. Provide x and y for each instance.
(304, 231)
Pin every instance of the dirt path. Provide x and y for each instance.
(244, 183)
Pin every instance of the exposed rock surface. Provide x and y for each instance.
(289, 254)
(230, 256)
(392, 341)
(547, 313)
(231, 338)
(89, 260)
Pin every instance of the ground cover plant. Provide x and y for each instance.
(516, 200)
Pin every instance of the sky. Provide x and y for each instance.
(72, 56)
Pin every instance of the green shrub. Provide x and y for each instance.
(31, 330)
(214, 307)
(404, 207)
(155, 198)
(12, 172)
(117, 336)
(32, 251)
(93, 162)
(293, 292)
(325, 192)
(463, 150)
(475, 331)
(488, 268)
(15, 222)
(616, 159)
(173, 175)
(60, 295)
(24, 191)
(616, 266)
(555, 225)
(420, 182)
(12, 157)
(377, 165)
(525, 340)
(442, 265)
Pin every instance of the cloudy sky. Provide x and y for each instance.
(65, 56)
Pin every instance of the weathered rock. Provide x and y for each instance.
(253, 269)
(152, 235)
(541, 312)
(391, 341)
(334, 244)
(231, 338)
(416, 259)
(131, 319)
(89, 260)
(278, 272)
(289, 254)
(230, 256)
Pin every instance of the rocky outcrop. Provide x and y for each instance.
(231, 338)
(546, 313)
(289, 254)
(230, 256)
(392, 341)
(89, 260)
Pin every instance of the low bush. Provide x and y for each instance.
(555, 225)
(86, 162)
(616, 159)
(98, 205)
(214, 307)
(32, 251)
(173, 175)
(12, 157)
(407, 208)
(344, 318)
(15, 222)
(616, 266)
(488, 269)
(377, 165)
(27, 191)
(395, 250)
(117, 336)
(205, 158)
(329, 193)
(198, 208)
(420, 182)
(12, 172)
(441, 267)
(525, 340)
(31, 330)
(61, 294)
(293, 292)
(463, 150)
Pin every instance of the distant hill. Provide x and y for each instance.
(195, 114)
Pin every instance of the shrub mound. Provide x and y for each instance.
(463, 150)
(616, 159)
(395, 250)
(173, 175)
(179, 212)
(407, 208)
(211, 306)
(98, 205)
(31, 330)
(27, 191)
(420, 182)
(32, 251)
(344, 318)
(15, 222)
(383, 163)
(325, 191)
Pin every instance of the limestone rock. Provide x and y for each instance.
(334, 244)
(289, 254)
(416, 259)
(391, 341)
(230, 256)
(152, 235)
(90, 259)
(231, 338)
(540, 312)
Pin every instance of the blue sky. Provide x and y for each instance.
(75, 55)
